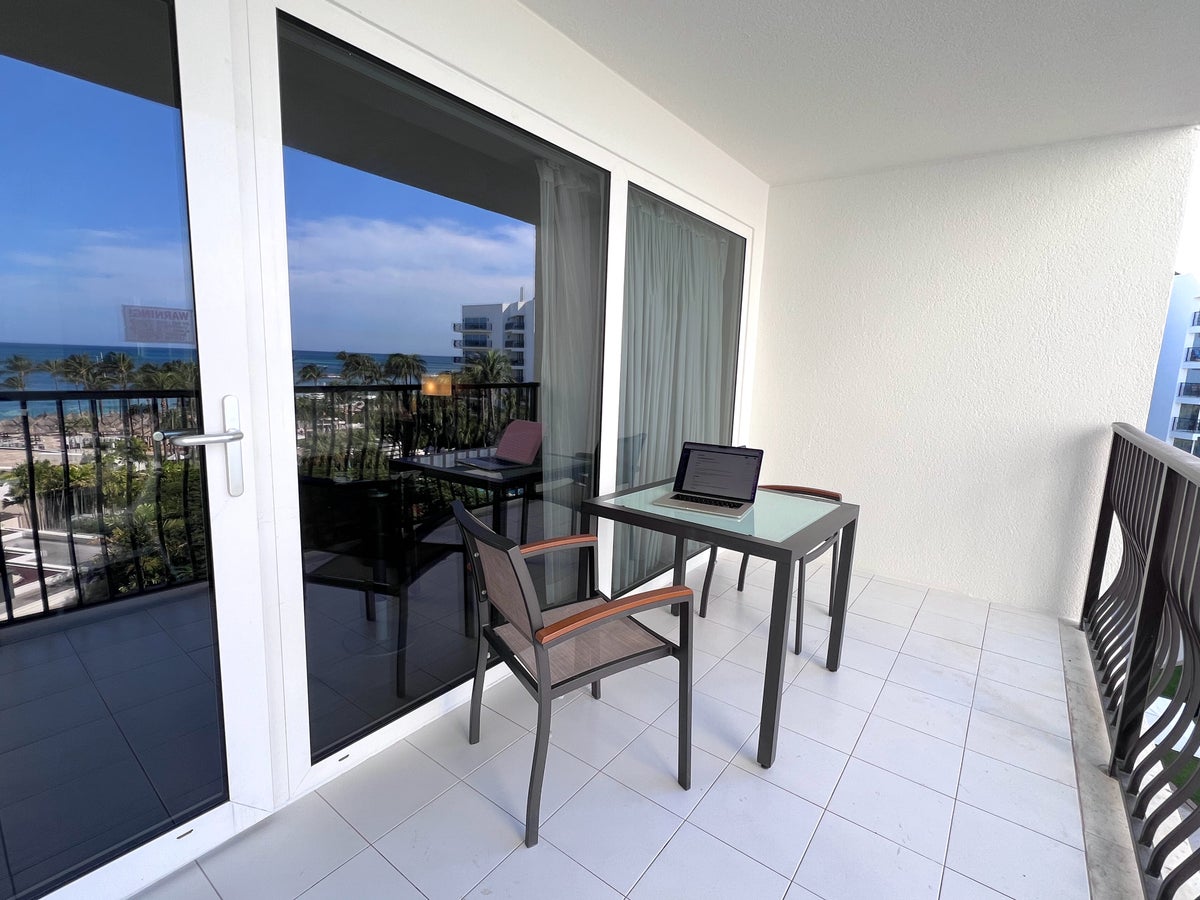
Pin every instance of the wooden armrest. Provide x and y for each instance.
(570, 542)
(573, 625)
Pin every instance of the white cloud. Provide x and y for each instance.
(377, 285)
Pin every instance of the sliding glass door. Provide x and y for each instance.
(446, 277)
(111, 728)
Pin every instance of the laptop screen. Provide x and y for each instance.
(727, 472)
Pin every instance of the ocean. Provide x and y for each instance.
(41, 381)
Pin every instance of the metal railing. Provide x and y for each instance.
(1191, 354)
(517, 323)
(353, 431)
(1144, 634)
(1185, 423)
(476, 343)
(91, 508)
(1189, 389)
(473, 325)
(1196, 318)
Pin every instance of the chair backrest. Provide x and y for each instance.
(804, 491)
(501, 575)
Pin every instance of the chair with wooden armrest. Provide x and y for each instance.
(555, 651)
(830, 543)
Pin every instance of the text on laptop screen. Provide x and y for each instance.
(722, 473)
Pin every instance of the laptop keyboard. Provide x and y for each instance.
(707, 501)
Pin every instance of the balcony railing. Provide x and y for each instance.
(1189, 389)
(1185, 423)
(91, 508)
(1196, 318)
(477, 343)
(1192, 354)
(1144, 632)
(473, 325)
(517, 323)
(353, 431)
(515, 343)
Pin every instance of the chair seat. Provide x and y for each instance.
(592, 649)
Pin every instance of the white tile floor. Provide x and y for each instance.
(936, 762)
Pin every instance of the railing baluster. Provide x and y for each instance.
(1141, 629)
(69, 498)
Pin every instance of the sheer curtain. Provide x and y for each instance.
(682, 293)
(570, 291)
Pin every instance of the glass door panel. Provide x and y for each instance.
(110, 714)
(446, 278)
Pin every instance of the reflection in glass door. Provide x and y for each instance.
(110, 726)
(446, 278)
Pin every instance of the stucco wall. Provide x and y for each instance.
(947, 345)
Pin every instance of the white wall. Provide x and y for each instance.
(947, 345)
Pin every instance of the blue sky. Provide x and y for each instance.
(92, 216)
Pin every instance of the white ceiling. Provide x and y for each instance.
(800, 89)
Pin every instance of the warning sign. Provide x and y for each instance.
(159, 325)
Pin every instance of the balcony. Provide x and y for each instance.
(1196, 319)
(1185, 423)
(473, 324)
(941, 745)
(516, 342)
(473, 343)
(1192, 354)
(1189, 389)
(517, 323)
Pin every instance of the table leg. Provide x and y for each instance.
(680, 569)
(499, 519)
(587, 561)
(768, 726)
(841, 594)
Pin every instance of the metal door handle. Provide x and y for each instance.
(196, 439)
(230, 437)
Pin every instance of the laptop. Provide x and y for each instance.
(519, 446)
(715, 479)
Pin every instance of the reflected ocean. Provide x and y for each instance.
(142, 353)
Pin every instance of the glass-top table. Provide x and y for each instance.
(781, 528)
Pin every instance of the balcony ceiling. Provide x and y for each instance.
(799, 90)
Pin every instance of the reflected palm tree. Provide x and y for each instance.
(311, 373)
(489, 367)
(119, 367)
(405, 367)
(18, 368)
(55, 368)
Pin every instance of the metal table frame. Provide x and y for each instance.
(707, 529)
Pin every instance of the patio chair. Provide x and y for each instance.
(830, 543)
(555, 651)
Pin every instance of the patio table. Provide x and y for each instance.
(781, 528)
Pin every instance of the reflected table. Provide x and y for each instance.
(780, 528)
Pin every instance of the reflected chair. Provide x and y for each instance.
(830, 543)
(558, 650)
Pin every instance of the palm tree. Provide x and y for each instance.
(120, 368)
(83, 371)
(18, 369)
(406, 367)
(359, 368)
(311, 372)
(55, 368)
(489, 367)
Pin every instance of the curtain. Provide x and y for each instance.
(570, 295)
(682, 291)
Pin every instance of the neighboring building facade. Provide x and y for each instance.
(498, 326)
(1175, 406)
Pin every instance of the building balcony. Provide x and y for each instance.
(1191, 354)
(1189, 389)
(515, 343)
(1185, 423)
(517, 323)
(469, 324)
(1196, 319)
(473, 343)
